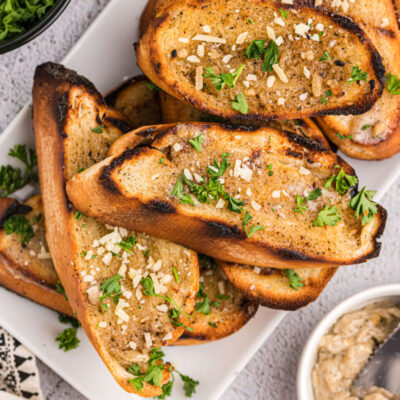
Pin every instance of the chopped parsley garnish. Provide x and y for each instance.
(78, 215)
(235, 205)
(284, 13)
(127, 244)
(257, 49)
(365, 127)
(328, 93)
(152, 86)
(269, 167)
(178, 188)
(146, 253)
(37, 218)
(66, 319)
(393, 84)
(363, 205)
(189, 384)
(328, 216)
(11, 178)
(197, 141)
(204, 305)
(16, 17)
(271, 56)
(148, 286)
(67, 339)
(357, 75)
(111, 287)
(20, 225)
(325, 56)
(250, 21)
(300, 201)
(240, 104)
(221, 80)
(161, 160)
(222, 296)
(295, 280)
(214, 325)
(343, 182)
(60, 289)
(186, 199)
(340, 136)
(254, 229)
(98, 129)
(176, 275)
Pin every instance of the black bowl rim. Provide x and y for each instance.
(37, 29)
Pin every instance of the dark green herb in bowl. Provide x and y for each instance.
(23, 20)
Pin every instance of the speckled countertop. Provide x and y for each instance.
(271, 374)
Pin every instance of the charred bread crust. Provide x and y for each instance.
(148, 55)
(254, 288)
(52, 83)
(214, 237)
(10, 207)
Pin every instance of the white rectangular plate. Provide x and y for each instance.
(105, 55)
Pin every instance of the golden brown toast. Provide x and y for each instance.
(147, 189)
(374, 135)
(138, 100)
(174, 110)
(74, 129)
(185, 49)
(270, 287)
(26, 268)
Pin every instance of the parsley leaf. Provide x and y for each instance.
(189, 384)
(328, 216)
(343, 182)
(363, 205)
(256, 49)
(393, 84)
(235, 205)
(167, 389)
(176, 275)
(221, 80)
(66, 319)
(340, 136)
(197, 141)
(254, 229)
(240, 104)
(178, 188)
(78, 215)
(20, 225)
(314, 195)
(295, 280)
(203, 306)
(213, 324)
(11, 178)
(152, 87)
(60, 289)
(357, 75)
(365, 127)
(250, 21)
(111, 287)
(67, 339)
(271, 56)
(325, 56)
(98, 129)
(127, 244)
(284, 13)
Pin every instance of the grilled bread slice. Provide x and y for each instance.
(374, 135)
(147, 189)
(174, 110)
(271, 287)
(26, 268)
(221, 309)
(74, 129)
(138, 99)
(187, 51)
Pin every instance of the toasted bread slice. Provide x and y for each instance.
(295, 87)
(374, 135)
(27, 268)
(68, 112)
(270, 287)
(174, 110)
(138, 100)
(134, 189)
(226, 309)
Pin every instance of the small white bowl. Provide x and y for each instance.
(356, 302)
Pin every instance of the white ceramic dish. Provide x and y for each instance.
(104, 54)
(356, 302)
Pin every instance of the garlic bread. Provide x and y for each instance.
(374, 135)
(25, 265)
(253, 59)
(241, 194)
(120, 283)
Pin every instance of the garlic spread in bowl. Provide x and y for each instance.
(345, 349)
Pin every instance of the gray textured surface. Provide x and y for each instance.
(271, 374)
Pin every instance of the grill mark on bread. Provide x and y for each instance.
(161, 206)
(119, 124)
(217, 229)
